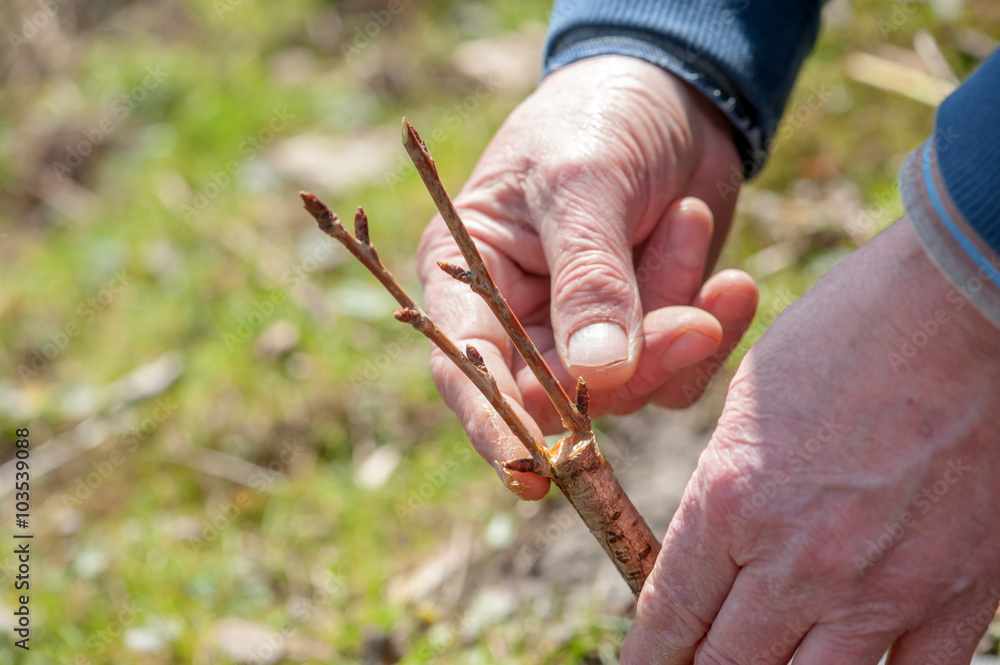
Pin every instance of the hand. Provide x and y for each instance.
(593, 208)
(847, 500)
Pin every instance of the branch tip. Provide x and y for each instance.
(459, 273)
(409, 132)
(361, 226)
(319, 210)
(312, 203)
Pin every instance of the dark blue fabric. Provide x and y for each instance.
(742, 55)
(967, 141)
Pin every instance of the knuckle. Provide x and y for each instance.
(712, 652)
(591, 280)
(567, 171)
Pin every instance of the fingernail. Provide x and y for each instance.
(686, 239)
(686, 350)
(598, 345)
(510, 481)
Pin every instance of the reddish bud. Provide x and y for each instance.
(313, 204)
(476, 358)
(582, 397)
(361, 226)
(526, 465)
(461, 274)
(407, 315)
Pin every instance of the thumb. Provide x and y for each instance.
(595, 308)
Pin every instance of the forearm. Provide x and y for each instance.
(951, 190)
(742, 56)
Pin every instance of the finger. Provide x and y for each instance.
(686, 588)
(675, 338)
(830, 643)
(672, 264)
(949, 640)
(466, 319)
(487, 432)
(596, 314)
(730, 296)
(758, 623)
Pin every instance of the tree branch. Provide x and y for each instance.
(575, 464)
(471, 362)
(483, 284)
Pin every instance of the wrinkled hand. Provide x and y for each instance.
(589, 208)
(848, 498)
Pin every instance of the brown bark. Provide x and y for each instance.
(588, 481)
(575, 464)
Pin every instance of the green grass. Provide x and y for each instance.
(169, 550)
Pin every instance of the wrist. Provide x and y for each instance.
(940, 312)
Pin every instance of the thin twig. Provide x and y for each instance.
(482, 283)
(471, 363)
(575, 464)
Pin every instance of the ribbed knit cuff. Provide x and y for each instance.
(967, 143)
(954, 246)
(742, 56)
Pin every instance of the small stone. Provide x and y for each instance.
(377, 468)
(278, 339)
(244, 641)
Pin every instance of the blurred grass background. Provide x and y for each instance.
(224, 471)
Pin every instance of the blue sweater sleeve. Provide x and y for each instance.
(742, 56)
(967, 141)
(950, 187)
